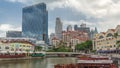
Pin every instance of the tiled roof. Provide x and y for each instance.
(55, 38)
(16, 41)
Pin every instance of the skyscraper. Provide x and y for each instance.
(58, 28)
(35, 22)
(86, 29)
(83, 28)
(69, 28)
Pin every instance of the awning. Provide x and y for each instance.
(18, 51)
(3, 52)
(11, 51)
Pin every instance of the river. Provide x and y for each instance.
(37, 63)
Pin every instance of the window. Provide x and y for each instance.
(12, 49)
(6, 47)
(101, 37)
(109, 35)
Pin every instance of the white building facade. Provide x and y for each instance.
(106, 41)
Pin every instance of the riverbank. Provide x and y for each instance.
(24, 58)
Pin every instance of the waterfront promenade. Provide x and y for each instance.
(24, 58)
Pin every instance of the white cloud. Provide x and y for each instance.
(21, 1)
(96, 8)
(51, 30)
(102, 26)
(7, 27)
(106, 11)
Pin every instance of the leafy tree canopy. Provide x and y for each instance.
(84, 45)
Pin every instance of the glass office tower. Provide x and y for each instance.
(35, 22)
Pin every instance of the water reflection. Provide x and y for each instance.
(36, 63)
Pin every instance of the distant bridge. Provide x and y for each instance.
(63, 53)
(53, 54)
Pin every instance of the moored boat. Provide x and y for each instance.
(37, 55)
(15, 55)
(89, 61)
(95, 61)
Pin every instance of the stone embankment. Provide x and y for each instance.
(23, 58)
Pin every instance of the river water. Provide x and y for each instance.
(37, 63)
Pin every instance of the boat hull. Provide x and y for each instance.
(12, 56)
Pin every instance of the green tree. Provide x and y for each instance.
(80, 46)
(117, 42)
(84, 46)
(115, 35)
(38, 48)
(60, 49)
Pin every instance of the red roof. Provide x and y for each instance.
(16, 41)
(55, 38)
(112, 30)
(103, 32)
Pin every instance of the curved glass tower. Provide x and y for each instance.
(35, 22)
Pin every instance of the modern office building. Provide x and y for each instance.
(58, 28)
(69, 28)
(86, 29)
(14, 34)
(35, 22)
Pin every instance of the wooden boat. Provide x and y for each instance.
(95, 61)
(90, 62)
(12, 55)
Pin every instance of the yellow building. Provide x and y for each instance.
(16, 46)
(106, 41)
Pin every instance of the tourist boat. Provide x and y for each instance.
(95, 61)
(37, 55)
(90, 62)
(15, 55)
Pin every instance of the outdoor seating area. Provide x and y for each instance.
(109, 51)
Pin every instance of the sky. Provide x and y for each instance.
(103, 14)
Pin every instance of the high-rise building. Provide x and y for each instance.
(83, 28)
(86, 29)
(75, 27)
(13, 34)
(58, 28)
(35, 22)
(69, 28)
(52, 35)
(93, 32)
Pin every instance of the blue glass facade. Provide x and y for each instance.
(35, 22)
